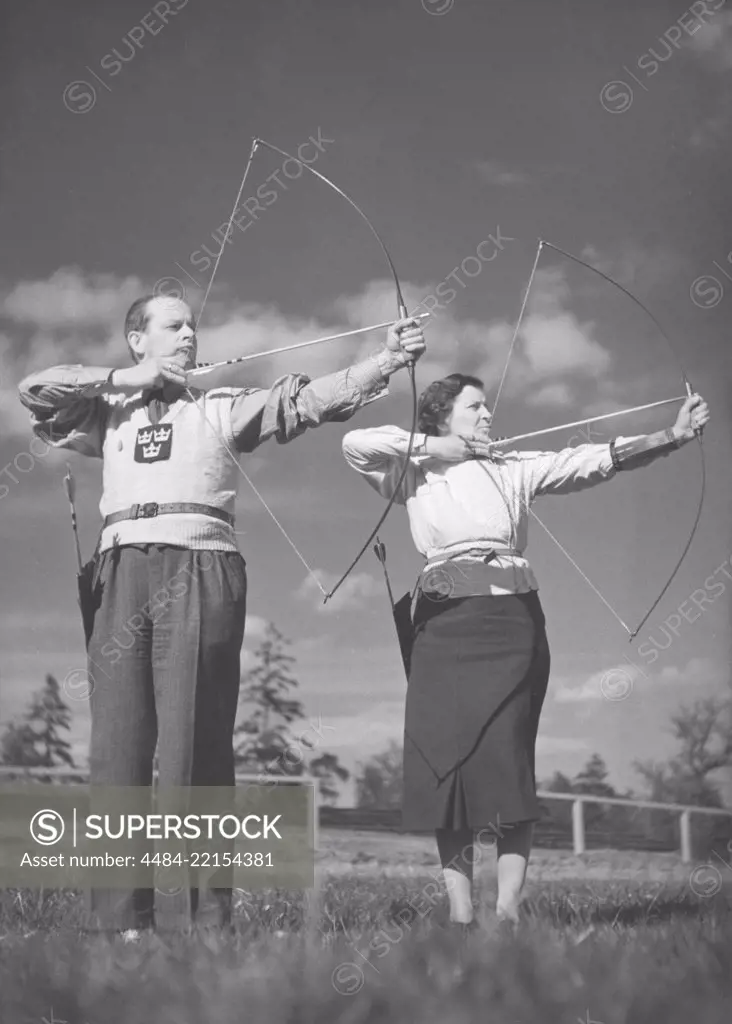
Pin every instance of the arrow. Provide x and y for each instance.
(593, 419)
(207, 367)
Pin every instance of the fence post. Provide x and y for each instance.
(685, 830)
(578, 826)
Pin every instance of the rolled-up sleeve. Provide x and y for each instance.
(566, 471)
(67, 407)
(378, 454)
(295, 402)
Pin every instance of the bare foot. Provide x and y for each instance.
(508, 912)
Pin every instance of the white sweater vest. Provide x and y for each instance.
(198, 469)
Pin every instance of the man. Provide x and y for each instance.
(169, 583)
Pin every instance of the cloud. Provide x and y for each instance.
(636, 267)
(712, 45)
(560, 394)
(699, 672)
(368, 731)
(255, 627)
(562, 344)
(560, 745)
(713, 42)
(617, 682)
(495, 173)
(73, 317)
(553, 347)
(71, 298)
(714, 128)
(358, 589)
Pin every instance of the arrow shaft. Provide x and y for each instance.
(70, 485)
(203, 368)
(592, 419)
(388, 584)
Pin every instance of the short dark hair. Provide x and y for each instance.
(137, 319)
(437, 400)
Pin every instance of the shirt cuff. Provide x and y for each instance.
(95, 380)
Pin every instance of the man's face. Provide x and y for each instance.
(470, 415)
(170, 331)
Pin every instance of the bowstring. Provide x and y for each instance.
(514, 532)
(584, 575)
(226, 235)
(514, 339)
(257, 492)
(517, 328)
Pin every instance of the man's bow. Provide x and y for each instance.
(402, 312)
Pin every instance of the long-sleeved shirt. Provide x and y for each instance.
(70, 410)
(471, 508)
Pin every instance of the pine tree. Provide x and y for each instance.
(559, 783)
(592, 778)
(35, 741)
(265, 739)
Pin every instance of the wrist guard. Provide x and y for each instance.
(642, 451)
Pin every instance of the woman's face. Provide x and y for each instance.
(470, 415)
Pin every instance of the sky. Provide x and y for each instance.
(467, 132)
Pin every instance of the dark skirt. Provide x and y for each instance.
(478, 677)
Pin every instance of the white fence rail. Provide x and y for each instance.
(684, 812)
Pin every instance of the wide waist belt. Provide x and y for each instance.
(486, 552)
(150, 509)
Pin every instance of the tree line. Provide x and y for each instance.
(704, 736)
(272, 735)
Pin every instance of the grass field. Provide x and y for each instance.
(617, 938)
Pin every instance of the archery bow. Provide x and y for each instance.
(689, 391)
(402, 311)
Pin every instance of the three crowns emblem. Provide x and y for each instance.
(154, 443)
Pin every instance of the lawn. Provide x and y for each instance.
(617, 938)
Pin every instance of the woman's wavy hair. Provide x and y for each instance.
(437, 400)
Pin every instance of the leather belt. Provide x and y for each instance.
(150, 509)
(488, 554)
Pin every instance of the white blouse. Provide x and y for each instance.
(470, 508)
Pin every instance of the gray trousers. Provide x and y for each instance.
(164, 665)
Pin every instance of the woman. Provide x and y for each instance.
(480, 659)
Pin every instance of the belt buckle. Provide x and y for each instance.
(146, 511)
